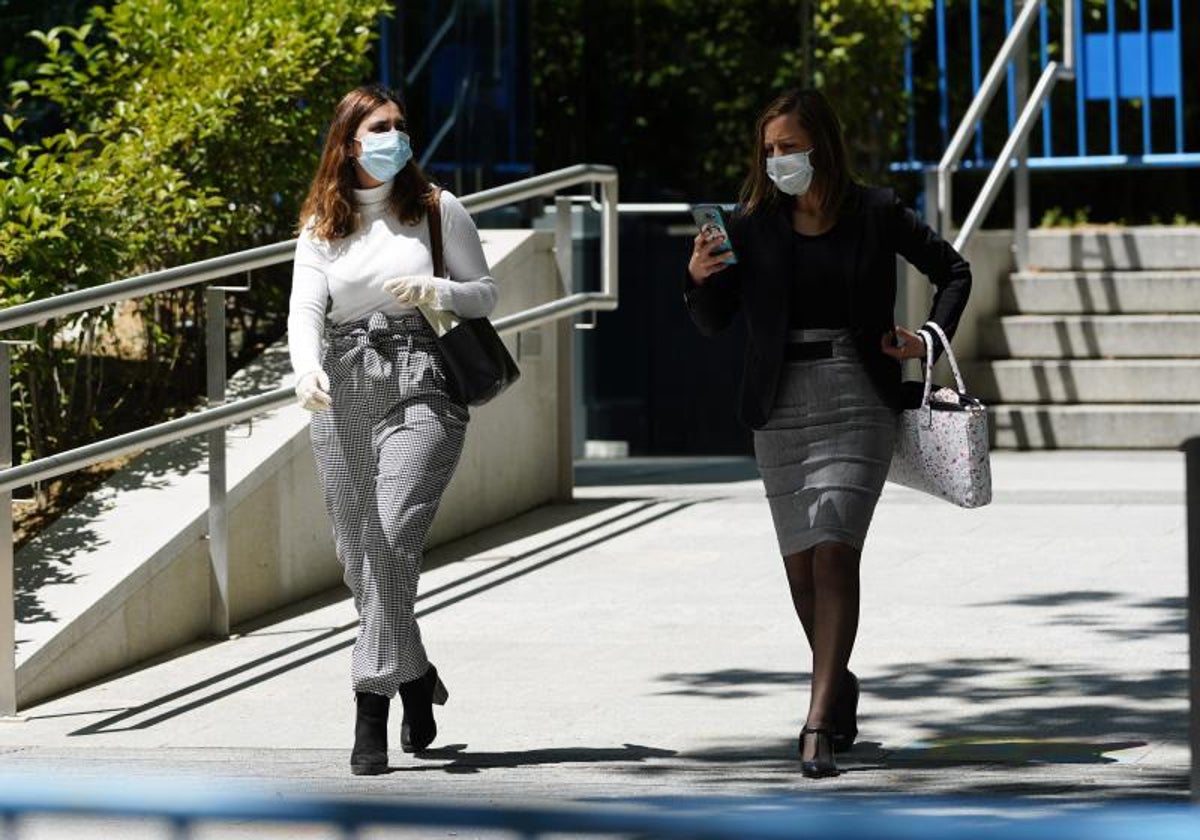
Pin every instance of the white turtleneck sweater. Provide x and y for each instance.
(350, 272)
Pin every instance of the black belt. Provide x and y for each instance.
(803, 351)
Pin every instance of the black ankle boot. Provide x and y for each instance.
(370, 754)
(418, 728)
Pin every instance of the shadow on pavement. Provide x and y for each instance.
(731, 683)
(1016, 718)
(47, 559)
(1071, 609)
(114, 723)
(1046, 771)
(463, 761)
(1005, 700)
(982, 750)
(250, 675)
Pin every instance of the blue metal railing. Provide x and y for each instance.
(1114, 66)
(182, 807)
(466, 58)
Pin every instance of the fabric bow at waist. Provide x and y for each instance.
(380, 329)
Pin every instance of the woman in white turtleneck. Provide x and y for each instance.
(386, 431)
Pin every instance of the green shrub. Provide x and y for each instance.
(858, 58)
(190, 128)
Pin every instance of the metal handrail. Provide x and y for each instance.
(1018, 138)
(199, 272)
(72, 303)
(145, 438)
(539, 185)
(983, 98)
(214, 419)
(942, 212)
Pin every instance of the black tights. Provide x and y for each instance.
(825, 592)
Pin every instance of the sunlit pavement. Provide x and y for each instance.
(639, 645)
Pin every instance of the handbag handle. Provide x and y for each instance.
(958, 378)
(928, 338)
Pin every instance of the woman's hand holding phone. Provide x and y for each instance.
(705, 261)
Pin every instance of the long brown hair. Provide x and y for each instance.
(330, 202)
(831, 171)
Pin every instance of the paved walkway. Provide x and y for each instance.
(640, 644)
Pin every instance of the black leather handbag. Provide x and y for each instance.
(478, 365)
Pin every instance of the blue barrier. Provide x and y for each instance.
(1113, 66)
(182, 806)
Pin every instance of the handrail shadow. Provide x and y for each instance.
(110, 724)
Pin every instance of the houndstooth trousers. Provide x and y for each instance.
(385, 452)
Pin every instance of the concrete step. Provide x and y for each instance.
(1092, 337)
(1015, 426)
(1115, 248)
(1085, 381)
(1099, 292)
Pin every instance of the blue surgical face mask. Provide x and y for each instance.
(384, 154)
(793, 173)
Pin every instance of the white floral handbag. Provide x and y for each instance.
(942, 444)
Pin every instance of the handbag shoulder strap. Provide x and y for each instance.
(433, 214)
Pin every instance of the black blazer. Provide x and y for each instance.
(761, 285)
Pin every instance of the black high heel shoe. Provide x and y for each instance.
(418, 728)
(370, 754)
(845, 714)
(822, 764)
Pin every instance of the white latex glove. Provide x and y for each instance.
(412, 291)
(312, 390)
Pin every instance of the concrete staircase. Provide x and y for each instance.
(1098, 343)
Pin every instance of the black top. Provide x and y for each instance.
(876, 228)
(824, 271)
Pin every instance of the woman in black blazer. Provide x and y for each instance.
(815, 280)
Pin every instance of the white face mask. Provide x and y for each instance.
(793, 173)
(384, 154)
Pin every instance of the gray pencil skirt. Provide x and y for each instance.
(825, 450)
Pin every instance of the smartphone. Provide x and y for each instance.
(711, 222)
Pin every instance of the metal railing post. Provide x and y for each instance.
(1069, 25)
(609, 220)
(218, 519)
(1192, 450)
(1020, 135)
(1021, 176)
(8, 644)
(564, 243)
(570, 395)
